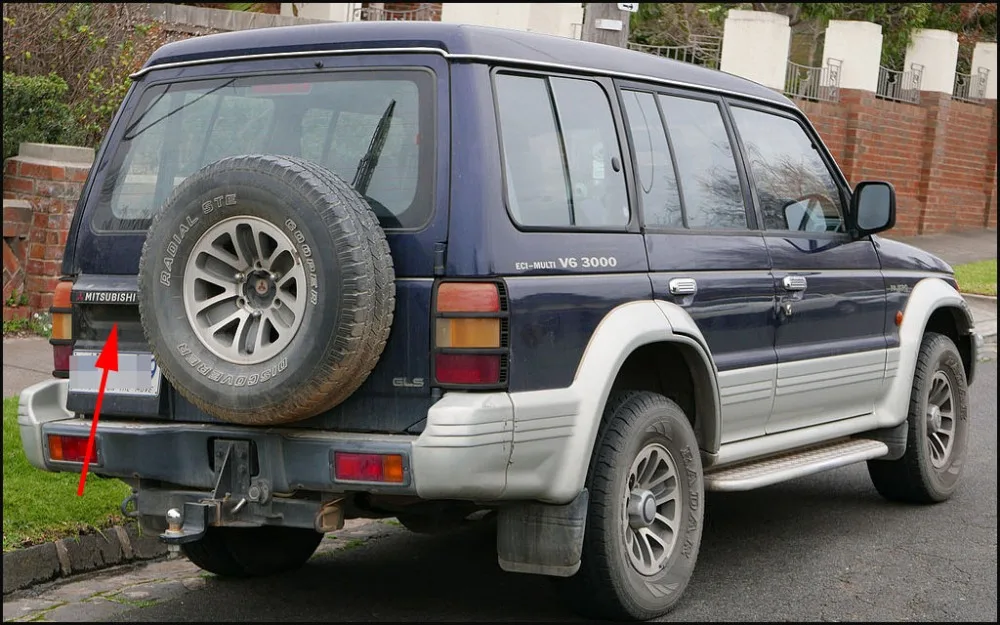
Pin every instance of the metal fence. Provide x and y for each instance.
(819, 84)
(971, 87)
(704, 50)
(903, 86)
(424, 12)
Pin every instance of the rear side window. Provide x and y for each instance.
(661, 201)
(709, 181)
(561, 157)
(331, 119)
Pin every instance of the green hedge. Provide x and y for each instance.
(35, 110)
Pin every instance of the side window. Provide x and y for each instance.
(794, 186)
(709, 182)
(562, 161)
(661, 200)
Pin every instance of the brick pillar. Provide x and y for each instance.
(16, 229)
(49, 178)
(990, 182)
(862, 119)
(937, 209)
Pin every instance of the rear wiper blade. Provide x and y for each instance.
(366, 166)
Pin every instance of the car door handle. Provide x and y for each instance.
(683, 286)
(794, 283)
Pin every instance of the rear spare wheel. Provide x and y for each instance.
(266, 289)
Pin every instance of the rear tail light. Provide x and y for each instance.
(470, 335)
(69, 448)
(352, 467)
(62, 329)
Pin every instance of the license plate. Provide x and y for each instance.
(138, 374)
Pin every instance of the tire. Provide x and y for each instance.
(608, 585)
(313, 319)
(253, 551)
(924, 474)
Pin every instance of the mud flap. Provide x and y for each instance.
(542, 539)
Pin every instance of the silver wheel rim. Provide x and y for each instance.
(941, 422)
(244, 290)
(650, 509)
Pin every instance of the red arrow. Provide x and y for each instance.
(108, 361)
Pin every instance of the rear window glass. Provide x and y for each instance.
(332, 119)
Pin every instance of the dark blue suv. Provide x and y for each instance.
(423, 270)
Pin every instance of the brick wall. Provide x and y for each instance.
(941, 155)
(49, 180)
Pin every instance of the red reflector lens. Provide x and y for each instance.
(61, 356)
(467, 368)
(368, 467)
(69, 448)
(468, 297)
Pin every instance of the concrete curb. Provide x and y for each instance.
(69, 556)
(986, 299)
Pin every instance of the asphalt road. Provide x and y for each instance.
(825, 547)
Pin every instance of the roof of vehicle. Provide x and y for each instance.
(456, 40)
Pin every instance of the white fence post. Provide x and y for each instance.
(985, 55)
(755, 46)
(858, 45)
(937, 52)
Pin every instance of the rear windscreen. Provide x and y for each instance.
(336, 119)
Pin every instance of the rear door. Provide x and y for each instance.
(830, 337)
(180, 120)
(705, 254)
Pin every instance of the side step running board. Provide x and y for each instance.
(806, 461)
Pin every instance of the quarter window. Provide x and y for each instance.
(561, 157)
(795, 189)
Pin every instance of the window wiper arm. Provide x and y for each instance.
(368, 162)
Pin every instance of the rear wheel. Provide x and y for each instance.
(937, 432)
(644, 520)
(252, 551)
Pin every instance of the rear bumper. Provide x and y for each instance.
(462, 454)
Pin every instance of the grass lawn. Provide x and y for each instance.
(979, 278)
(40, 506)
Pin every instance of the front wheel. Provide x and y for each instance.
(644, 521)
(252, 551)
(937, 432)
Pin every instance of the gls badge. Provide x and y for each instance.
(407, 383)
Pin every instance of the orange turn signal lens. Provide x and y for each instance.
(392, 468)
(62, 326)
(62, 316)
(468, 297)
(468, 332)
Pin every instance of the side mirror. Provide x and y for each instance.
(804, 216)
(873, 208)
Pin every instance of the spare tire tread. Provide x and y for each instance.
(367, 293)
(383, 278)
